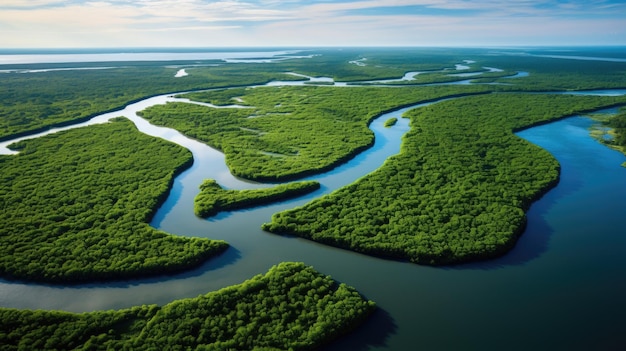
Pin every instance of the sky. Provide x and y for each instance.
(307, 23)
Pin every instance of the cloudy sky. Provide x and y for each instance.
(204, 23)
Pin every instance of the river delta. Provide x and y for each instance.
(560, 287)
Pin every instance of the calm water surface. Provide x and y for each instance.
(8, 57)
(561, 287)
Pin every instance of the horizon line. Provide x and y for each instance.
(316, 47)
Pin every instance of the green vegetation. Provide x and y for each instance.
(618, 123)
(601, 132)
(292, 307)
(219, 97)
(213, 199)
(76, 206)
(391, 122)
(611, 131)
(444, 76)
(548, 74)
(456, 192)
(385, 63)
(31, 102)
(295, 131)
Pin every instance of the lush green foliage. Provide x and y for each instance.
(618, 123)
(556, 74)
(76, 206)
(444, 76)
(219, 97)
(373, 64)
(296, 131)
(38, 100)
(457, 191)
(35, 101)
(611, 131)
(292, 307)
(213, 198)
(391, 122)
(55, 330)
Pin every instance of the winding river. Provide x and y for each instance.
(561, 287)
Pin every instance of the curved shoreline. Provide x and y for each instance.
(235, 203)
(354, 153)
(172, 94)
(568, 240)
(271, 82)
(517, 130)
(108, 249)
(162, 198)
(286, 222)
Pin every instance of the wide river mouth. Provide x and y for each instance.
(561, 287)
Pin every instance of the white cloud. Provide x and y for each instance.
(190, 28)
(499, 7)
(29, 3)
(293, 22)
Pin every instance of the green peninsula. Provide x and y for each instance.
(76, 207)
(291, 307)
(458, 190)
(213, 198)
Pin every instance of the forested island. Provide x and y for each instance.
(213, 198)
(391, 122)
(291, 307)
(78, 204)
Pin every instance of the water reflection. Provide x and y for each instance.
(373, 333)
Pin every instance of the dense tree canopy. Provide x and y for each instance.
(457, 191)
(33, 98)
(618, 123)
(76, 206)
(390, 122)
(35, 101)
(548, 74)
(611, 131)
(291, 307)
(291, 131)
(213, 198)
